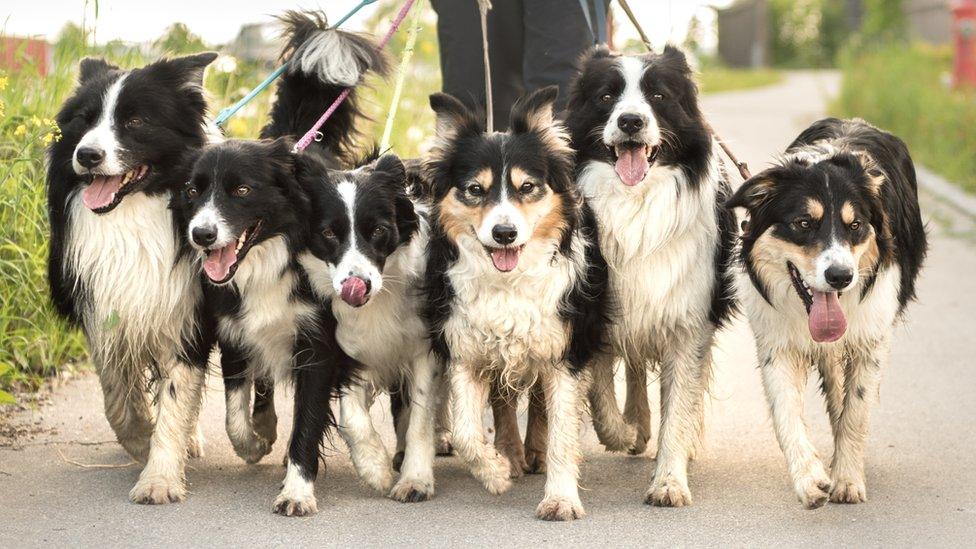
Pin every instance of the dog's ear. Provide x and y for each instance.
(93, 67)
(394, 174)
(184, 72)
(754, 192)
(675, 59)
(453, 117)
(534, 112)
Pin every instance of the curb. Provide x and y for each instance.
(945, 191)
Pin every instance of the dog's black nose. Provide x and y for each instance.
(630, 123)
(204, 235)
(504, 234)
(839, 277)
(90, 157)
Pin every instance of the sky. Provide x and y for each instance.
(218, 21)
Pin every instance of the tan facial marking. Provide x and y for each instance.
(518, 176)
(769, 256)
(484, 178)
(847, 213)
(550, 214)
(458, 218)
(867, 253)
(815, 209)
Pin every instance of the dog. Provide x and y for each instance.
(650, 169)
(246, 209)
(367, 257)
(515, 283)
(117, 266)
(827, 264)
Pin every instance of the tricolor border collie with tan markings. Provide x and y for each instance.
(118, 266)
(515, 282)
(651, 171)
(827, 264)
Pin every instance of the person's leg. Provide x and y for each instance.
(556, 35)
(462, 65)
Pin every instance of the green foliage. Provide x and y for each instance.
(884, 21)
(806, 33)
(900, 88)
(718, 78)
(178, 40)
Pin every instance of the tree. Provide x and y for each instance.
(178, 40)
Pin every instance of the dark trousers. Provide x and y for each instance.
(531, 44)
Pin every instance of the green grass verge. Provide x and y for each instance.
(713, 79)
(901, 88)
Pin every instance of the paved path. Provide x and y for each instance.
(920, 459)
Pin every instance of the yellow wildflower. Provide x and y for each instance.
(35, 120)
(21, 130)
(3, 82)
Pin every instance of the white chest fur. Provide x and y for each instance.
(269, 318)
(140, 299)
(659, 239)
(510, 321)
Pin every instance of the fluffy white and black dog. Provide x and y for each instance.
(367, 256)
(118, 266)
(650, 169)
(516, 285)
(246, 208)
(827, 264)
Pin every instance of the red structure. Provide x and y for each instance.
(16, 52)
(964, 35)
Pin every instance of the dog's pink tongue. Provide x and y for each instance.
(101, 192)
(826, 321)
(353, 291)
(218, 262)
(505, 259)
(632, 165)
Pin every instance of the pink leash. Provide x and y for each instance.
(311, 134)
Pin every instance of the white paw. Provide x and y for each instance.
(813, 488)
(444, 447)
(621, 440)
(294, 505)
(378, 477)
(668, 492)
(194, 447)
(496, 475)
(253, 449)
(158, 490)
(848, 491)
(412, 490)
(560, 509)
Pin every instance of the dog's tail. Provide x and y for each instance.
(321, 64)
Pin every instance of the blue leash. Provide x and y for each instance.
(230, 111)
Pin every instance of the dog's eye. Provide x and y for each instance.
(242, 190)
(855, 225)
(802, 223)
(527, 187)
(134, 123)
(192, 192)
(606, 98)
(329, 234)
(379, 231)
(657, 96)
(475, 190)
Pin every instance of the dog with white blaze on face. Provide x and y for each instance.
(827, 264)
(117, 265)
(246, 209)
(651, 171)
(515, 283)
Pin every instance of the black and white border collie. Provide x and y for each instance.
(367, 256)
(117, 264)
(651, 171)
(515, 282)
(246, 209)
(827, 264)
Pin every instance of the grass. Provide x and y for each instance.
(901, 88)
(714, 79)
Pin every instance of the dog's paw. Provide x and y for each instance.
(412, 490)
(444, 447)
(515, 454)
(194, 447)
(495, 474)
(266, 425)
(378, 477)
(618, 440)
(668, 492)
(640, 443)
(848, 491)
(535, 462)
(294, 506)
(158, 491)
(253, 450)
(560, 509)
(813, 489)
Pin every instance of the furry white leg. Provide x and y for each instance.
(195, 445)
(537, 430)
(564, 392)
(832, 385)
(637, 410)
(863, 380)
(612, 429)
(248, 445)
(297, 496)
(178, 402)
(366, 449)
(416, 481)
(682, 391)
(468, 398)
(784, 378)
(443, 429)
(126, 406)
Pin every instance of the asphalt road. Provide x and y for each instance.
(920, 458)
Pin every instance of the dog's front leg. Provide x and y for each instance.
(612, 428)
(862, 381)
(468, 396)
(508, 441)
(177, 405)
(784, 377)
(564, 391)
(366, 449)
(416, 481)
(126, 404)
(248, 445)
